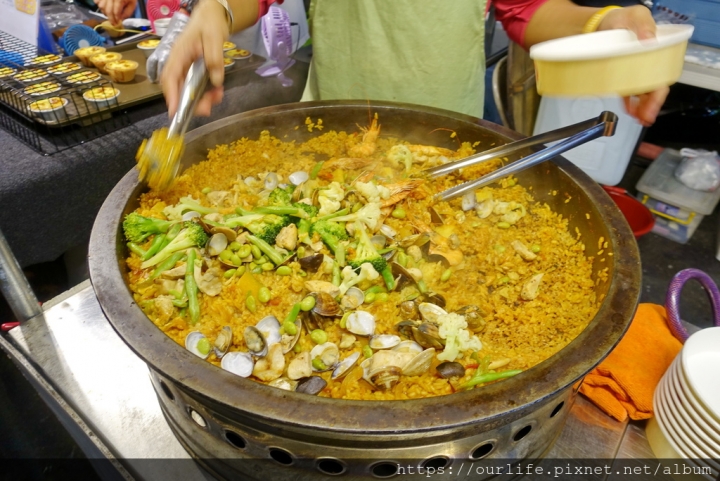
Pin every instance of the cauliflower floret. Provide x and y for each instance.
(330, 198)
(350, 277)
(453, 328)
(400, 155)
(369, 214)
(372, 192)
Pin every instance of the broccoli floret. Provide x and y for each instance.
(138, 228)
(310, 210)
(331, 233)
(280, 196)
(193, 235)
(175, 212)
(366, 253)
(265, 226)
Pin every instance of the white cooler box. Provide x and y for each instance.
(604, 159)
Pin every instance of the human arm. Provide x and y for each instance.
(116, 10)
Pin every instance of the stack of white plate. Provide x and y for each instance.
(687, 407)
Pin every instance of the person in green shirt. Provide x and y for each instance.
(427, 52)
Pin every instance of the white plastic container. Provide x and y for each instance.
(604, 159)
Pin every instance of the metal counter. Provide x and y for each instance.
(102, 394)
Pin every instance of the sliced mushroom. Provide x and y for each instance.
(531, 289)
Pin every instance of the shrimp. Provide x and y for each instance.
(401, 190)
(347, 163)
(368, 144)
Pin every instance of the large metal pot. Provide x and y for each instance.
(239, 428)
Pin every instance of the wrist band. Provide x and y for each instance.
(594, 22)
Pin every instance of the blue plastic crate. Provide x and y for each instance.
(704, 15)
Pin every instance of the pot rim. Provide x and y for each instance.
(276, 406)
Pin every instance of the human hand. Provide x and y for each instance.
(156, 61)
(644, 107)
(116, 10)
(205, 33)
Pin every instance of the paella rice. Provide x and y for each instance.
(407, 299)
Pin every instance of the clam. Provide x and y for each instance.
(384, 368)
(327, 353)
(239, 363)
(385, 378)
(408, 346)
(388, 231)
(420, 363)
(435, 218)
(222, 342)
(190, 215)
(473, 317)
(406, 327)
(361, 323)
(284, 384)
(217, 244)
(415, 239)
(270, 328)
(379, 241)
(430, 312)
(323, 286)
(300, 367)
(311, 385)
(435, 298)
(198, 344)
(409, 310)
(311, 263)
(428, 335)
(344, 366)
(402, 275)
(297, 178)
(229, 233)
(326, 305)
(468, 201)
(288, 341)
(352, 299)
(449, 369)
(271, 181)
(384, 341)
(346, 340)
(255, 341)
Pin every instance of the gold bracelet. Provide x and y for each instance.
(594, 22)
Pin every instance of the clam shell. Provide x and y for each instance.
(191, 344)
(420, 363)
(271, 181)
(326, 305)
(384, 341)
(328, 353)
(288, 341)
(284, 384)
(311, 385)
(217, 244)
(408, 346)
(297, 178)
(223, 341)
(361, 323)
(255, 341)
(238, 363)
(431, 312)
(352, 299)
(190, 215)
(270, 328)
(344, 366)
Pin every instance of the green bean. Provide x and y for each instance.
(402, 259)
(229, 273)
(340, 254)
(136, 249)
(206, 190)
(318, 364)
(226, 255)
(535, 248)
(446, 275)
(503, 225)
(316, 170)
(375, 290)
(267, 266)
(367, 351)
(244, 251)
(240, 271)
(343, 320)
(356, 207)
(294, 312)
(180, 302)
(256, 252)
(235, 260)
(398, 213)
(264, 295)
(488, 377)
(307, 304)
(155, 247)
(283, 270)
(336, 279)
(302, 273)
(176, 294)
(290, 328)
(370, 298)
(165, 265)
(173, 232)
(234, 246)
(318, 336)
(191, 288)
(297, 348)
(251, 303)
(422, 287)
(381, 297)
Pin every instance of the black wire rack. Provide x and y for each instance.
(50, 103)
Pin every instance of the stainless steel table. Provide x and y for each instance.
(101, 392)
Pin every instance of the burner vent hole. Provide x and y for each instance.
(437, 462)
(384, 469)
(281, 456)
(235, 439)
(482, 451)
(167, 391)
(332, 467)
(522, 433)
(199, 420)
(557, 409)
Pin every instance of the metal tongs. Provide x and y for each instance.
(602, 126)
(195, 82)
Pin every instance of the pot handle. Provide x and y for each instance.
(672, 300)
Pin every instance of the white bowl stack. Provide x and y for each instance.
(687, 406)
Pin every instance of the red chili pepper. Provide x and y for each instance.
(8, 325)
(275, 301)
(472, 366)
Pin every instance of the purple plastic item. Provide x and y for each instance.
(672, 299)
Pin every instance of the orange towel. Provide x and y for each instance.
(624, 383)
